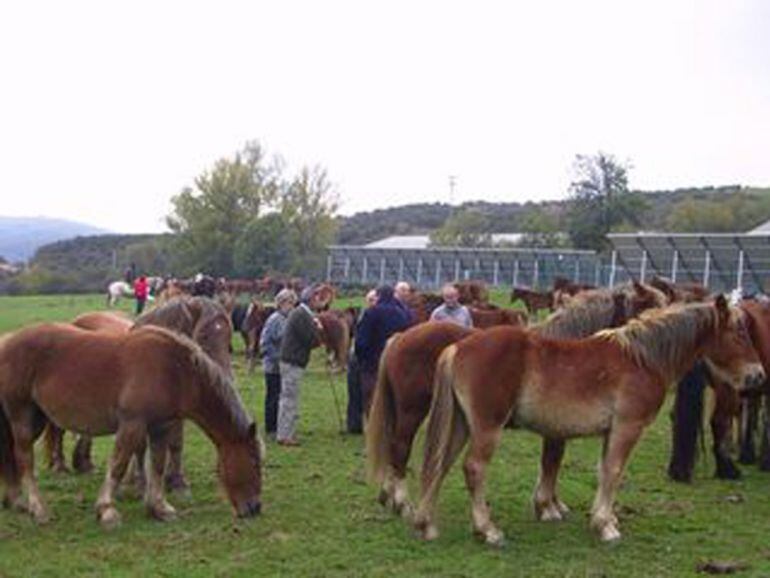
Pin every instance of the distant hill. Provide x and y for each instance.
(20, 237)
(422, 218)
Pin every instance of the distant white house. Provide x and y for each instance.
(422, 241)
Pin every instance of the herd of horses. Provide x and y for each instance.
(599, 365)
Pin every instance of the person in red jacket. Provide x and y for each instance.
(141, 290)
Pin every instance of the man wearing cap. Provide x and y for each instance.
(270, 346)
(377, 325)
(300, 335)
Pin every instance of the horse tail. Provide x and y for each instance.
(380, 427)
(9, 471)
(687, 424)
(447, 429)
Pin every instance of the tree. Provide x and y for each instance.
(601, 201)
(466, 228)
(541, 230)
(209, 218)
(307, 205)
(264, 247)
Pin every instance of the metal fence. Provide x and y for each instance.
(431, 268)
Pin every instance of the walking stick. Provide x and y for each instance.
(336, 400)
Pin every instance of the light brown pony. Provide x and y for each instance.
(132, 385)
(200, 318)
(335, 337)
(611, 385)
(404, 387)
(485, 318)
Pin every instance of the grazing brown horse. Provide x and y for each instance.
(611, 384)
(534, 301)
(132, 385)
(727, 408)
(405, 380)
(200, 318)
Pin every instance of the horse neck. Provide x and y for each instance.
(669, 344)
(216, 406)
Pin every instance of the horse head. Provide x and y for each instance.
(731, 355)
(240, 469)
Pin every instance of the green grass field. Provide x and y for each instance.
(320, 517)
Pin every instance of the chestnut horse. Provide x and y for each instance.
(485, 318)
(728, 407)
(132, 385)
(200, 318)
(405, 379)
(338, 326)
(611, 384)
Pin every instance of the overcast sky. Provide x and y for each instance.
(107, 109)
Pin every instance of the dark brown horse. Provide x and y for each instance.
(727, 408)
(132, 385)
(200, 318)
(534, 301)
(472, 292)
(248, 320)
(611, 385)
(405, 380)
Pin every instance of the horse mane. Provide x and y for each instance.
(584, 315)
(662, 338)
(216, 380)
(184, 314)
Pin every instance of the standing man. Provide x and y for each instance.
(376, 327)
(270, 346)
(355, 395)
(300, 336)
(403, 293)
(141, 290)
(451, 310)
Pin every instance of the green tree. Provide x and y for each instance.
(466, 228)
(264, 247)
(541, 230)
(307, 205)
(601, 201)
(209, 218)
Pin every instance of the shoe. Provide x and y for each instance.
(291, 442)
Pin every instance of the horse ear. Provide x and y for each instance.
(723, 309)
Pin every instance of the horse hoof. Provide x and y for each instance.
(550, 513)
(429, 533)
(109, 518)
(562, 507)
(162, 513)
(41, 517)
(494, 537)
(609, 533)
(405, 510)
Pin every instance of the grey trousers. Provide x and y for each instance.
(288, 405)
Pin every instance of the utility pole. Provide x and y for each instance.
(452, 185)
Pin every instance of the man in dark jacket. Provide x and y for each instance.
(376, 327)
(300, 336)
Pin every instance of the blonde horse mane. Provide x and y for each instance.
(661, 338)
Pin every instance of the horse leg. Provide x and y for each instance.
(81, 455)
(175, 479)
(764, 454)
(22, 420)
(749, 418)
(618, 444)
(721, 430)
(400, 448)
(129, 436)
(483, 445)
(137, 473)
(547, 505)
(154, 500)
(54, 441)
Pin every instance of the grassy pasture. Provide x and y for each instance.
(320, 517)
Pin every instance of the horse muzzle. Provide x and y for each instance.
(755, 377)
(249, 509)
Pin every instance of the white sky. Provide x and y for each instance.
(107, 109)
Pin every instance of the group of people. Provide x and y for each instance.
(292, 331)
